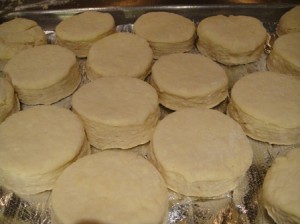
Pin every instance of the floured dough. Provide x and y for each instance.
(289, 22)
(189, 80)
(285, 55)
(44, 74)
(166, 32)
(37, 145)
(110, 187)
(200, 152)
(9, 102)
(19, 34)
(281, 188)
(231, 40)
(80, 31)
(120, 54)
(266, 104)
(118, 112)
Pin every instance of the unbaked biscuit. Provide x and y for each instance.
(118, 112)
(281, 188)
(231, 40)
(266, 104)
(19, 34)
(189, 80)
(285, 55)
(289, 22)
(110, 187)
(166, 32)
(43, 74)
(120, 54)
(9, 102)
(200, 152)
(80, 31)
(37, 145)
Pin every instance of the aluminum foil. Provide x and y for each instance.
(244, 205)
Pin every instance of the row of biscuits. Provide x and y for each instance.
(96, 106)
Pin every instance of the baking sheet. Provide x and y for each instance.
(244, 204)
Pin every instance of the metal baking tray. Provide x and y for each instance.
(244, 204)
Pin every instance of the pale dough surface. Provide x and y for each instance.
(281, 188)
(120, 54)
(36, 144)
(8, 100)
(188, 80)
(44, 74)
(289, 21)
(19, 34)
(119, 112)
(285, 55)
(200, 152)
(231, 40)
(166, 32)
(110, 187)
(267, 106)
(80, 31)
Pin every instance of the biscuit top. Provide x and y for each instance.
(164, 27)
(234, 33)
(270, 97)
(40, 67)
(39, 140)
(282, 182)
(201, 144)
(188, 75)
(85, 26)
(116, 101)
(289, 22)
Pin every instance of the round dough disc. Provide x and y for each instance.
(36, 145)
(200, 152)
(281, 188)
(189, 80)
(110, 187)
(120, 54)
(289, 22)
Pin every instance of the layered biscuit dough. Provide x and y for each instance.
(118, 112)
(120, 54)
(37, 145)
(110, 187)
(289, 22)
(9, 102)
(19, 34)
(44, 74)
(281, 188)
(285, 55)
(80, 31)
(231, 40)
(266, 104)
(166, 32)
(201, 152)
(189, 80)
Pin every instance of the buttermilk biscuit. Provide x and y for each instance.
(37, 145)
(120, 54)
(80, 31)
(19, 34)
(231, 40)
(281, 188)
(200, 152)
(289, 22)
(189, 80)
(9, 102)
(166, 32)
(118, 112)
(110, 187)
(285, 55)
(44, 74)
(266, 104)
